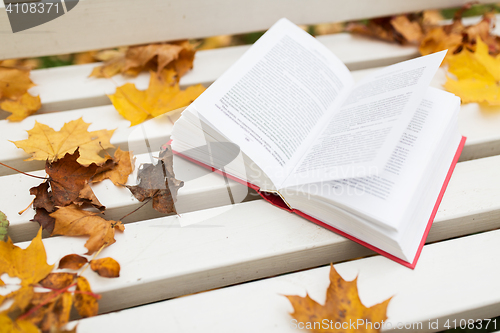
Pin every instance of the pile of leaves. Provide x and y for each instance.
(473, 57)
(66, 205)
(43, 299)
(14, 95)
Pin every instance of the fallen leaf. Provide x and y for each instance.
(342, 305)
(477, 75)
(57, 280)
(85, 303)
(22, 107)
(29, 265)
(72, 261)
(402, 29)
(106, 267)
(14, 82)
(162, 95)
(44, 143)
(158, 182)
(178, 56)
(71, 221)
(125, 163)
(50, 310)
(456, 36)
(18, 326)
(4, 226)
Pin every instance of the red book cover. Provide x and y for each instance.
(277, 201)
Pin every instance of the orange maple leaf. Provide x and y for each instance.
(342, 306)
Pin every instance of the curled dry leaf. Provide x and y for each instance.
(477, 73)
(162, 95)
(342, 305)
(44, 143)
(72, 261)
(125, 163)
(106, 267)
(4, 226)
(57, 280)
(85, 302)
(71, 221)
(178, 56)
(158, 182)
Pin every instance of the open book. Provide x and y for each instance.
(369, 160)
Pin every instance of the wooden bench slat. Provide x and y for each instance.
(251, 240)
(455, 279)
(109, 23)
(202, 189)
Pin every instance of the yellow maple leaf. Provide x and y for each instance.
(342, 306)
(22, 107)
(44, 143)
(162, 95)
(477, 73)
(29, 265)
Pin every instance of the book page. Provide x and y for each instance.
(360, 136)
(387, 196)
(269, 102)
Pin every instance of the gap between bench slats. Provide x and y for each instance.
(434, 291)
(252, 240)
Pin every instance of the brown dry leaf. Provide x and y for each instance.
(71, 221)
(342, 305)
(68, 183)
(158, 182)
(85, 303)
(106, 267)
(162, 95)
(72, 261)
(14, 82)
(18, 326)
(477, 73)
(29, 265)
(44, 143)
(178, 56)
(57, 280)
(402, 29)
(21, 107)
(125, 163)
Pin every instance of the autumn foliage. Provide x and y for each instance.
(342, 305)
(14, 95)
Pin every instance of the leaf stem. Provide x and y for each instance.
(24, 173)
(135, 210)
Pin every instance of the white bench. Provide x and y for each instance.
(250, 240)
